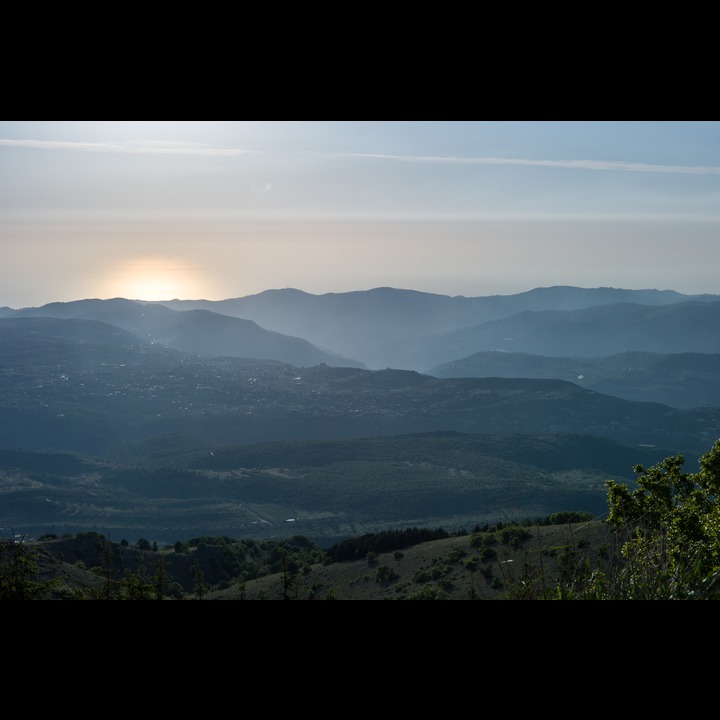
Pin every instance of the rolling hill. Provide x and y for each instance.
(483, 563)
(682, 380)
(174, 489)
(591, 332)
(196, 332)
(147, 421)
(70, 394)
(410, 330)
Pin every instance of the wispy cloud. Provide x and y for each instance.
(145, 148)
(570, 164)
(175, 148)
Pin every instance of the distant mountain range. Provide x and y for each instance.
(198, 332)
(410, 330)
(648, 345)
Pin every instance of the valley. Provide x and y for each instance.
(109, 423)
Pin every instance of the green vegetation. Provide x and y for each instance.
(372, 543)
(19, 566)
(668, 540)
(674, 551)
(661, 542)
(327, 490)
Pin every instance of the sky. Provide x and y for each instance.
(157, 210)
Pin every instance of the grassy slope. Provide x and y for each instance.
(453, 565)
(446, 569)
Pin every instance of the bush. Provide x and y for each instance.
(673, 518)
(385, 574)
(488, 553)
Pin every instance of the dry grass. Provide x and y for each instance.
(447, 569)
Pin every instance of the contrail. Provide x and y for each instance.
(571, 164)
(164, 148)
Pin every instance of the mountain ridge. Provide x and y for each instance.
(399, 328)
(682, 380)
(197, 331)
(408, 329)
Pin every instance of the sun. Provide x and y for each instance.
(155, 278)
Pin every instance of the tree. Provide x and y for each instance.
(673, 517)
(290, 581)
(161, 576)
(136, 584)
(198, 577)
(18, 568)
(109, 588)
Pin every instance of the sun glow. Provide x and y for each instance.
(155, 278)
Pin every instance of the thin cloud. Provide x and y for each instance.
(165, 148)
(571, 164)
(150, 148)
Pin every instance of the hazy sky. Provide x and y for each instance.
(219, 209)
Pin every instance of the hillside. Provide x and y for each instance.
(196, 332)
(681, 380)
(589, 332)
(488, 563)
(405, 329)
(116, 430)
(476, 566)
(67, 385)
(173, 489)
